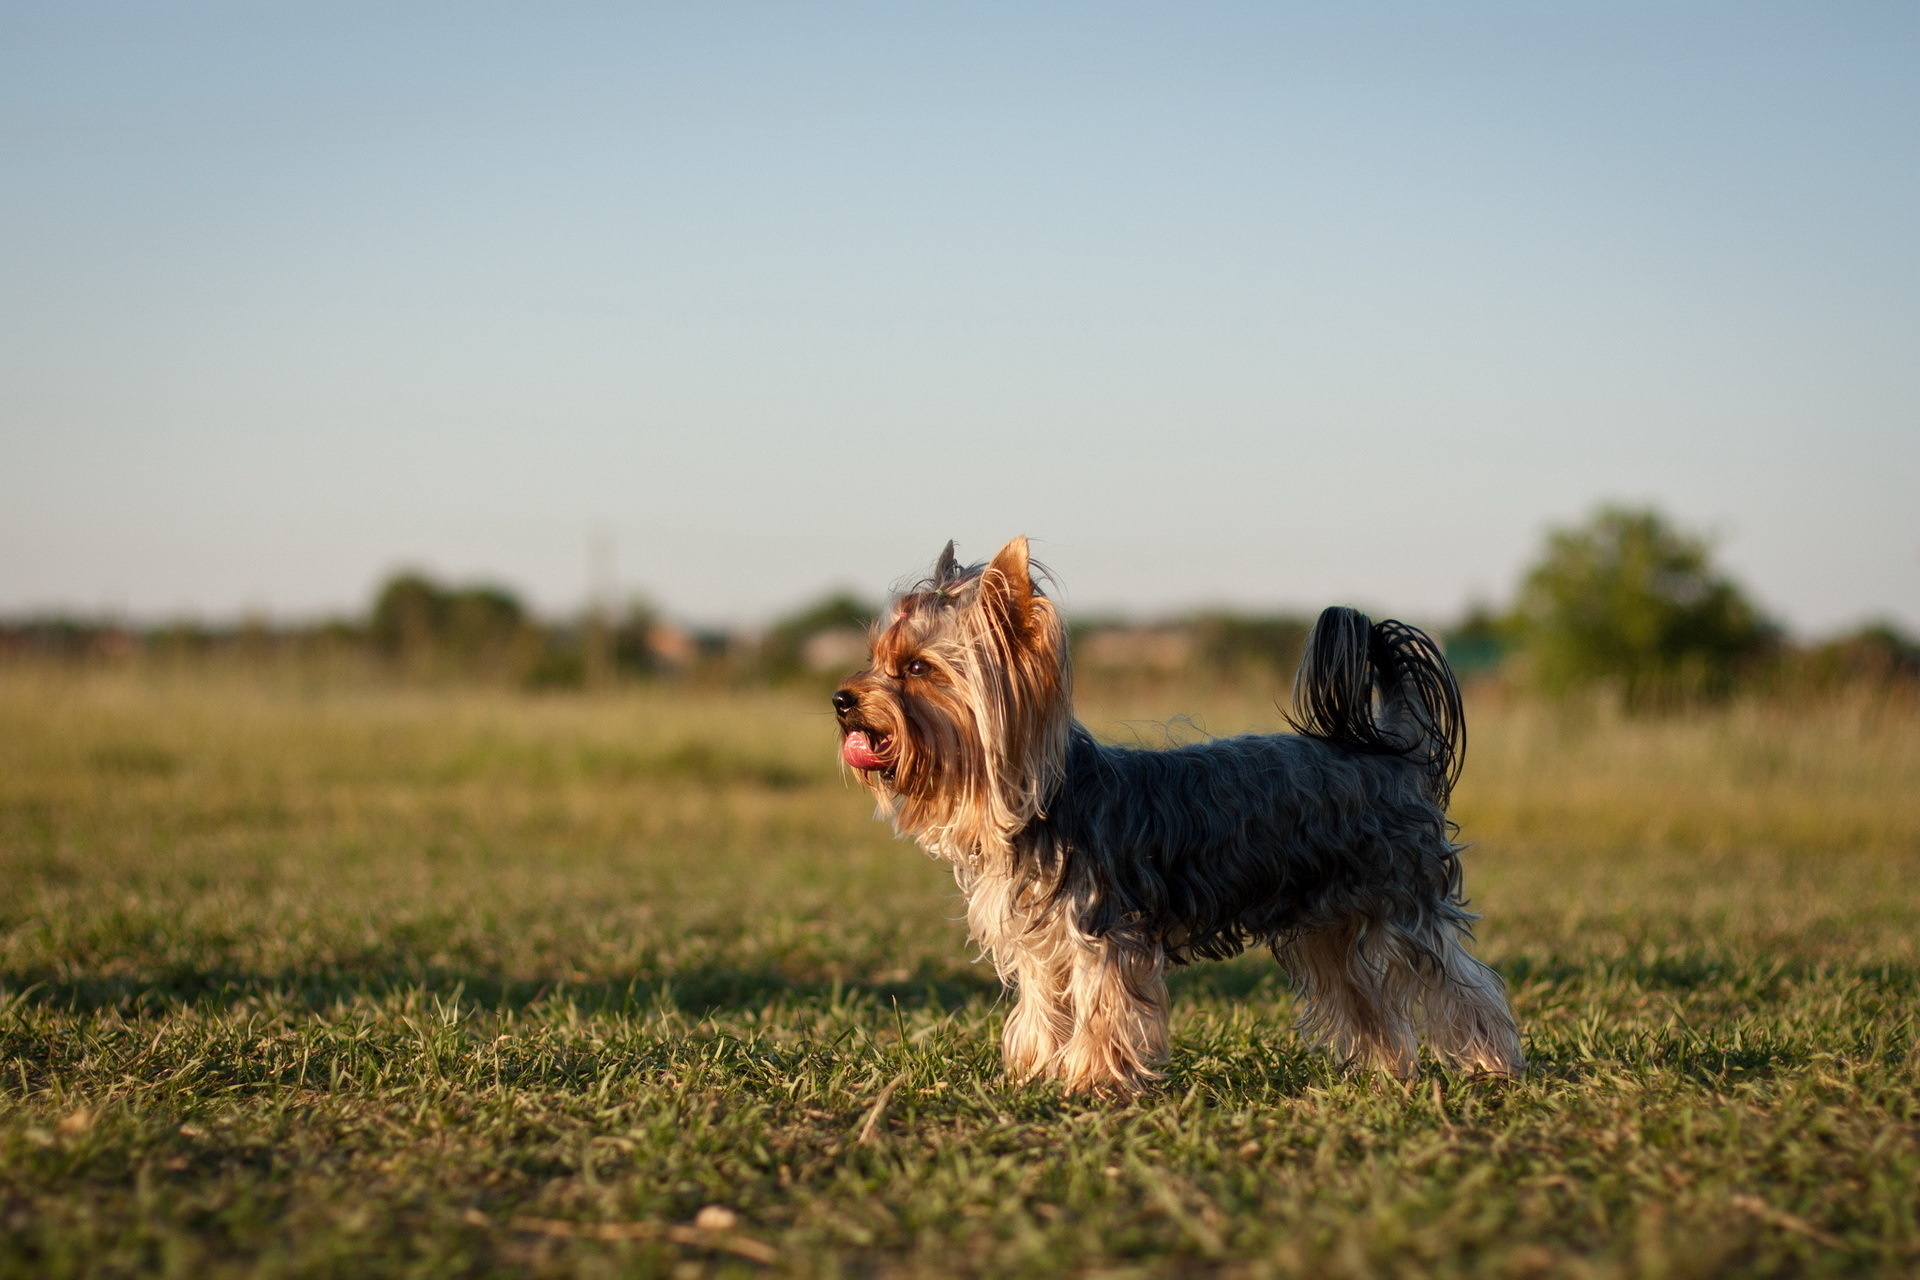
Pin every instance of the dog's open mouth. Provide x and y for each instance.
(864, 753)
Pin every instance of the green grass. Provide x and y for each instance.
(357, 981)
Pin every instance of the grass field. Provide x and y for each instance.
(342, 980)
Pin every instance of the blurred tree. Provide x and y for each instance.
(480, 624)
(406, 615)
(1628, 599)
(634, 641)
(426, 626)
(1235, 644)
(782, 651)
(1478, 643)
(1879, 653)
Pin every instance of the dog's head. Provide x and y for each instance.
(959, 722)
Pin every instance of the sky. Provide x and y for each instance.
(1266, 305)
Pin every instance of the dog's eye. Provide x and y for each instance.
(918, 667)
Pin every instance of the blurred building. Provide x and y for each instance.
(835, 649)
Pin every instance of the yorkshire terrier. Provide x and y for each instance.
(1088, 869)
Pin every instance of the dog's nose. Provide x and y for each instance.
(844, 700)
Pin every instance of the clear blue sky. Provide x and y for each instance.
(1262, 304)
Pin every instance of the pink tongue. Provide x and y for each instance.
(859, 753)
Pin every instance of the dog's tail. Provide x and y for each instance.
(1382, 688)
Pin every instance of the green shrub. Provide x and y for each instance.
(430, 628)
(1626, 599)
(783, 651)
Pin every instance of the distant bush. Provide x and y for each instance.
(1234, 644)
(1627, 599)
(633, 642)
(1877, 654)
(596, 649)
(1215, 645)
(429, 628)
(62, 639)
(827, 637)
(1479, 643)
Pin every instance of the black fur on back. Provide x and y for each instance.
(1208, 847)
(1381, 689)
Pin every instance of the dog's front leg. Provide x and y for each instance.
(1119, 997)
(1041, 1021)
(1037, 959)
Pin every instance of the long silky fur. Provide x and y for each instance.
(1089, 868)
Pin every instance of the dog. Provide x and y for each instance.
(1088, 869)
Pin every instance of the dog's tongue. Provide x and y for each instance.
(859, 753)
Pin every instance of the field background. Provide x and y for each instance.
(323, 977)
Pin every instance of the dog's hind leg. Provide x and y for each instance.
(1465, 1016)
(1357, 988)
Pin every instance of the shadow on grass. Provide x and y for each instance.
(694, 990)
(1700, 1063)
(697, 991)
(1250, 977)
(1263, 1073)
(1701, 971)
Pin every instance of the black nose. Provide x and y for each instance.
(845, 701)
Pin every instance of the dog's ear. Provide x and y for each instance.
(943, 570)
(1024, 628)
(1006, 590)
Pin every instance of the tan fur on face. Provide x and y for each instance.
(975, 744)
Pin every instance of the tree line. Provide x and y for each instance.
(1626, 602)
